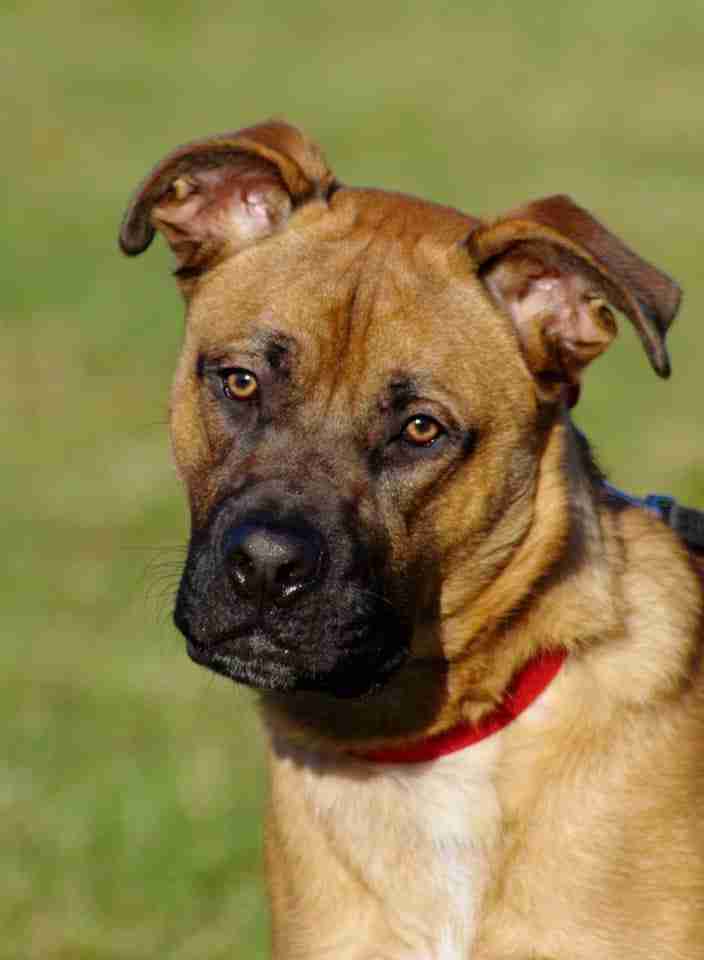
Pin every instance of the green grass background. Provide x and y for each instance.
(131, 782)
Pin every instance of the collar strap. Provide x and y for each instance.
(526, 686)
(687, 522)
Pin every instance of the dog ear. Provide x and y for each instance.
(556, 270)
(213, 197)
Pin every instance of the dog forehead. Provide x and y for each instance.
(376, 279)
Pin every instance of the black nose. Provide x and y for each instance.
(273, 562)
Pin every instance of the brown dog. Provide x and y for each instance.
(399, 538)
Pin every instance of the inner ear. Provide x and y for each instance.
(208, 214)
(211, 198)
(644, 294)
(559, 308)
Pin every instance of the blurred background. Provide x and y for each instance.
(132, 782)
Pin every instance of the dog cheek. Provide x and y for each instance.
(189, 440)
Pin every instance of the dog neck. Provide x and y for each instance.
(557, 579)
(525, 688)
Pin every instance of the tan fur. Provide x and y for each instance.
(575, 833)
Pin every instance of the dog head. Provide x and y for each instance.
(369, 414)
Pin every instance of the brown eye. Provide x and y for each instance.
(239, 384)
(422, 431)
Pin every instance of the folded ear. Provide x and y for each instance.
(556, 270)
(210, 198)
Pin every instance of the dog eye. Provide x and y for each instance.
(422, 431)
(239, 384)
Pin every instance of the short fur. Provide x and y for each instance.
(426, 573)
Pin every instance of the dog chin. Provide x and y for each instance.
(276, 670)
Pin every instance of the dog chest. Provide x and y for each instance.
(411, 843)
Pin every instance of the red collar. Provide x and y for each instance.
(526, 686)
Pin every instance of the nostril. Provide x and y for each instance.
(289, 573)
(241, 566)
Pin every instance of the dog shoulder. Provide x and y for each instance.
(658, 653)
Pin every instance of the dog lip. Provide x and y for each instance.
(276, 675)
(198, 652)
(223, 644)
(266, 666)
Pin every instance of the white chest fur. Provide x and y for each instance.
(420, 836)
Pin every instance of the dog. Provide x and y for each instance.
(478, 665)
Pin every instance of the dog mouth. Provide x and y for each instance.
(269, 668)
(248, 655)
